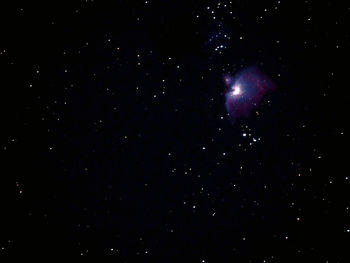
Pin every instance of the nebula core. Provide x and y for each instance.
(245, 90)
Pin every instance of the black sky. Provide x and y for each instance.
(116, 141)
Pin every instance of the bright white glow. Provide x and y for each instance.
(236, 90)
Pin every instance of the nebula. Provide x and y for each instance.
(245, 90)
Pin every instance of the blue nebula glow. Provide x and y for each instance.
(245, 90)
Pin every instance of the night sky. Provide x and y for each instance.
(119, 142)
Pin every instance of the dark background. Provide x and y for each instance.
(106, 157)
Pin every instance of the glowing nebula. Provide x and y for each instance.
(245, 90)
